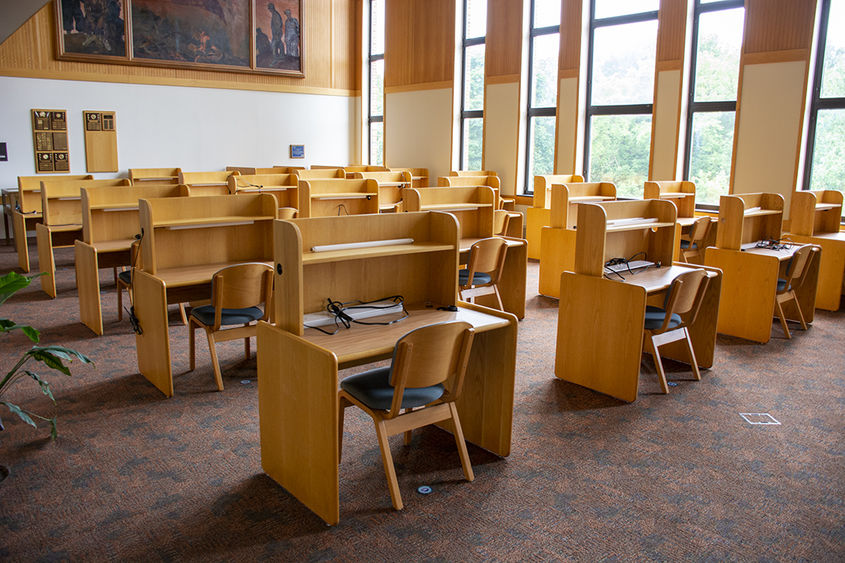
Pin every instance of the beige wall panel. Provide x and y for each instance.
(769, 128)
(664, 156)
(418, 130)
(567, 112)
(501, 132)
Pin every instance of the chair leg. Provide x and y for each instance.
(498, 297)
(693, 362)
(782, 318)
(114, 273)
(658, 363)
(389, 470)
(119, 302)
(218, 377)
(192, 356)
(407, 436)
(182, 312)
(462, 445)
(246, 345)
(800, 312)
(342, 404)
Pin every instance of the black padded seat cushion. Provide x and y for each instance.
(480, 278)
(374, 390)
(125, 276)
(654, 318)
(205, 315)
(686, 245)
(782, 284)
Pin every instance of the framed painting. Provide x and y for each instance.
(253, 36)
(92, 29)
(278, 35)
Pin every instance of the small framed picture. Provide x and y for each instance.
(297, 151)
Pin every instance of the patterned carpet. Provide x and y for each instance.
(134, 476)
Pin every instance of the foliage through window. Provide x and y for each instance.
(717, 41)
(375, 120)
(472, 84)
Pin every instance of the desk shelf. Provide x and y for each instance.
(761, 212)
(637, 227)
(372, 252)
(212, 221)
(454, 206)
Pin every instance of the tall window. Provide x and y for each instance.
(620, 92)
(543, 52)
(375, 119)
(472, 86)
(826, 138)
(717, 42)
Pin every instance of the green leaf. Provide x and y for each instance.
(45, 386)
(52, 357)
(12, 282)
(65, 353)
(32, 333)
(54, 432)
(20, 412)
(8, 326)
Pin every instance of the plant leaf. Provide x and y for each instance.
(8, 326)
(65, 353)
(32, 333)
(13, 282)
(52, 357)
(45, 386)
(54, 432)
(20, 412)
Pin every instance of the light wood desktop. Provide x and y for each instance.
(337, 196)
(473, 208)
(750, 276)
(682, 194)
(110, 224)
(320, 173)
(557, 246)
(538, 215)
(186, 240)
(206, 183)
(284, 187)
(390, 187)
(27, 211)
(601, 318)
(419, 176)
(61, 226)
(248, 170)
(154, 175)
(298, 368)
(815, 218)
(466, 179)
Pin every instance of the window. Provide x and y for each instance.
(543, 53)
(472, 85)
(717, 41)
(825, 169)
(375, 118)
(620, 92)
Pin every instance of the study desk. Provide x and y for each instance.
(513, 283)
(750, 284)
(298, 387)
(600, 327)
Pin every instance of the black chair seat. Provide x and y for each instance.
(205, 315)
(686, 245)
(654, 318)
(480, 278)
(782, 285)
(125, 276)
(374, 390)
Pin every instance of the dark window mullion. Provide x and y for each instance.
(622, 109)
(548, 30)
(628, 18)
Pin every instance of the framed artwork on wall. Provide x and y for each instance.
(252, 36)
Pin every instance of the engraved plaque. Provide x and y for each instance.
(42, 120)
(92, 121)
(58, 122)
(44, 141)
(60, 141)
(62, 164)
(45, 161)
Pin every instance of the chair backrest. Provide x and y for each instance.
(501, 218)
(685, 296)
(240, 286)
(488, 256)
(430, 355)
(699, 229)
(798, 265)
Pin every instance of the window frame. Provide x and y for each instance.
(694, 107)
(371, 118)
(465, 113)
(532, 112)
(610, 109)
(816, 101)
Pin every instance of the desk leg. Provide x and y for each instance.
(298, 419)
(88, 285)
(46, 260)
(535, 219)
(21, 245)
(749, 283)
(153, 346)
(831, 271)
(558, 256)
(806, 295)
(600, 334)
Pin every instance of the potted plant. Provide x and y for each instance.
(51, 356)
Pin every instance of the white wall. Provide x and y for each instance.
(666, 125)
(567, 135)
(193, 128)
(418, 130)
(501, 132)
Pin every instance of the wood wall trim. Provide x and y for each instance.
(570, 36)
(502, 79)
(419, 86)
(672, 29)
(329, 58)
(678, 64)
(419, 42)
(504, 38)
(778, 25)
(776, 56)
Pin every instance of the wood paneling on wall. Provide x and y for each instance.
(671, 31)
(504, 39)
(570, 38)
(329, 32)
(778, 25)
(419, 43)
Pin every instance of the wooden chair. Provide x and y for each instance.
(481, 277)
(425, 379)
(669, 324)
(236, 293)
(795, 275)
(123, 280)
(693, 248)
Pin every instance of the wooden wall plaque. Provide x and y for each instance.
(100, 141)
(49, 140)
